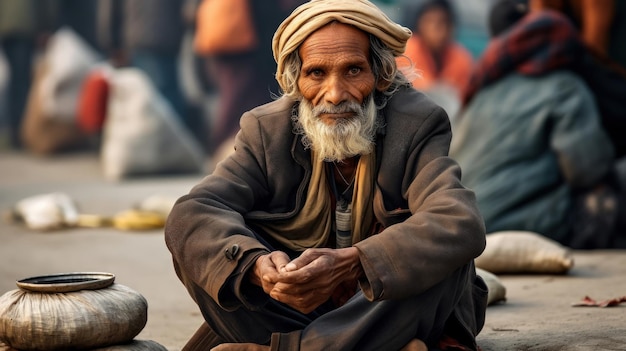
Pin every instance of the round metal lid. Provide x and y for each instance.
(67, 282)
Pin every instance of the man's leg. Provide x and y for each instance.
(242, 324)
(358, 325)
(382, 325)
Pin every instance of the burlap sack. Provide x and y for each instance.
(524, 252)
(142, 133)
(44, 133)
(50, 123)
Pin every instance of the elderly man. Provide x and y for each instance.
(339, 222)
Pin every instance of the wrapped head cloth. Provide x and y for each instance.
(313, 15)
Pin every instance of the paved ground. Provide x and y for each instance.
(537, 315)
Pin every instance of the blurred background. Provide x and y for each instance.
(63, 64)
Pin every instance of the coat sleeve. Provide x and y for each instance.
(440, 231)
(206, 233)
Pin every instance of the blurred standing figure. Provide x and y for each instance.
(25, 26)
(147, 35)
(437, 57)
(530, 139)
(245, 79)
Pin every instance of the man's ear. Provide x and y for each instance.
(383, 85)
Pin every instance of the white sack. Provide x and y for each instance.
(524, 252)
(68, 59)
(142, 133)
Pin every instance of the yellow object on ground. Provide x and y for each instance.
(138, 220)
(127, 220)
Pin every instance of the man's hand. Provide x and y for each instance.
(267, 265)
(309, 280)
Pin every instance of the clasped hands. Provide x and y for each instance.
(311, 279)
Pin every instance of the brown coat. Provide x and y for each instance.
(433, 226)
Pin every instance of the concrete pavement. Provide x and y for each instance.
(536, 316)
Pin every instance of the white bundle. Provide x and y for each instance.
(68, 58)
(161, 204)
(524, 252)
(496, 290)
(47, 211)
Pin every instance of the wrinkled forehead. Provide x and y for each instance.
(334, 34)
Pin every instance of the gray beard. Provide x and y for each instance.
(345, 138)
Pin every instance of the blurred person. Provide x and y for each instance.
(149, 36)
(602, 24)
(602, 73)
(338, 222)
(245, 79)
(530, 139)
(434, 53)
(25, 26)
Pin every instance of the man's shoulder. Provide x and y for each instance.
(278, 107)
(271, 119)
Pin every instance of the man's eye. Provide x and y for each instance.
(313, 72)
(316, 73)
(354, 71)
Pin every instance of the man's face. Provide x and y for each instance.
(336, 70)
(337, 111)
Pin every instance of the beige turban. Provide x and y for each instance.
(314, 14)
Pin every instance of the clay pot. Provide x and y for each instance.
(71, 311)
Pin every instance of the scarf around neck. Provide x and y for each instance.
(312, 226)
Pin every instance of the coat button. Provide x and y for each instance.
(231, 252)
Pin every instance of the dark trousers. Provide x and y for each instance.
(357, 325)
(19, 53)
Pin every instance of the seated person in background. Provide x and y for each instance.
(339, 222)
(442, 65)
(530, 140)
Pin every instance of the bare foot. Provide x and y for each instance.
(415, 345)
(242, 347)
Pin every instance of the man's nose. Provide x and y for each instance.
(336, 91)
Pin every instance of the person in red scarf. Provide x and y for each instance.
(531, 140)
